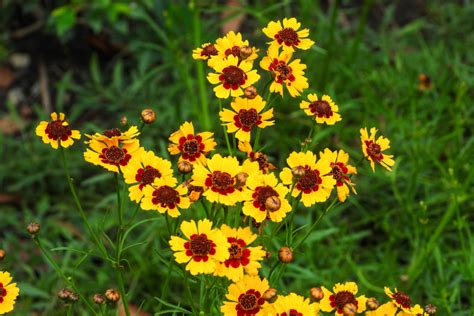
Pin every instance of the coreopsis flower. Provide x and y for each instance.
(262, 159)
(245, 297)
(309, 177)
(231, 77)
(266, 198)
(193, 148)
(288, 36)
(8, 292)
(57, 132)
(115, 133)
(205, 52)
(164, 197)
(245, 115)
(373, 149)
(242, 258)
(218, 179)
(403, 303)
(194, 192)
(344, 295)
(202, 248)
(284, 72)
(142, 171)
(340, 170)
(233, 44)
(323, 110)
(293, 304)
(424, 82)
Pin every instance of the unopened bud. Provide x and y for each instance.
(241, 179)
(270, 295)
(148, 116)
(185, 167)
(123, 120)
(99, 299)
(285, 254)
(430, 309)
(112, 296)
(272, 203)
(372, 303)
(298, 172)
(250, 92)
(33, 228)
(2, 254)
(245, 51)
(349, 309)
(67, 295)
(317, 294)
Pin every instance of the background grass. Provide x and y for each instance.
(411, 228)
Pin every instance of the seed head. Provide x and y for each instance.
(316, 293)
(2, 254)
(430, 309)
(285, 254)
(99, 299)
(148, 116)
(241, 179)
(112, 296)
(270, 295)
(372, 303)
(33, 229)
(349, 309)
(245, 51)
(272, 203)
(185, 167)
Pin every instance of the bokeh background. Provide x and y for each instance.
(98, 61)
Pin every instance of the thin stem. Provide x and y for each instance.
(225, 132)
(190, 294)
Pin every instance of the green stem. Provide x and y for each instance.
(61, 274)
(190, 294)
(225, 132)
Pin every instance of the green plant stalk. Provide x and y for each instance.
(259, 130)
(225, 133)
(190, 294)
(61, 273)
(97, 241)
(165, 290)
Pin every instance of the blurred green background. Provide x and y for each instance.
(101, 60)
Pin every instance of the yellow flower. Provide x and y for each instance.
(142, 170)
(340, 171)
(288, 36)
(203, 248)
(373, 149)
(293, 304)
(164, 197)
(387, 309)
(218, 179)
(311, 178)
(111, 153)
(264, 165)
(57, 132)
(245, 115)
(232, 77)
(241, 257)
(8, 292)
(193, 148)
(245, 297)
(343, 294)
(232, 44)
(205, 52)
(261, 188)
(323, 110)
(290, 74)
(402, 301)
(115, 133)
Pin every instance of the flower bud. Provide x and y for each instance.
(270, 295)
(285, 254)
(67, 295)
(241, 179)
(349, 309)
(250, 92)
(2, 254)
(316, 293)
(33, 229)
(245, 51)
(123, 120)
(372, 303)
(112, 296)
(430, 309)
(297, 172)
(185, 167)
(99, 299)
(272, 203)
(148, 116)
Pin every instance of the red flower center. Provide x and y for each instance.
(246, 119)
(262, 160)
(220, 182)
(115, 156)
(287, 36)
(235, 50)
(147, 175)
(373, 150)
(209, 50)
(261, 194)
(238, 253)
(321, 108)
(112, 132)
(338, 173)
(3, 292)
(340, 299)
(56, 130)
(281, 71)
(292, 312)
(232, 77)
(191, 147)
(249, 303)
(309, 181)
(165, 196)
(403, 299)
(200, 247)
